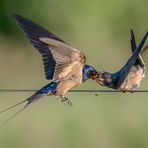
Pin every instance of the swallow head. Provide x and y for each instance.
(89, 72)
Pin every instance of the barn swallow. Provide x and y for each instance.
(130, 75)
(64, 65)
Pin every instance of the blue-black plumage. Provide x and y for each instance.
(88, 71)
(131, 74)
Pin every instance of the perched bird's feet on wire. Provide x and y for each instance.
(65, 99)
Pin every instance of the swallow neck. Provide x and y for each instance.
(87, 72)
(108, 80)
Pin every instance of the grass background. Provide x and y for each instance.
(101, 30)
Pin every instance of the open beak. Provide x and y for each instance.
(98, 78)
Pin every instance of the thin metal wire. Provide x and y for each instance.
(78, 90)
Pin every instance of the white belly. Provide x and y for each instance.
(133, 79)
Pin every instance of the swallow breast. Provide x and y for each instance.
(71, 81)
(133, 78)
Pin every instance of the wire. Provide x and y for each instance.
(78, 90)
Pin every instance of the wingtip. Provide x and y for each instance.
(131, 30)
(15, 16)
(132, 33)
(146, 35)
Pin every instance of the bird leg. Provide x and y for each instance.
(65, 99)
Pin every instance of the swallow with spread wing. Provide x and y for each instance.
(130, 75)
(63, 64)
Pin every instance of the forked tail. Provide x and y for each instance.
(28, 100)
(48, 89)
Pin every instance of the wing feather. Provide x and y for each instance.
(57, 56)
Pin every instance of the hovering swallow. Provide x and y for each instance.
(64, 65)
(130, 75)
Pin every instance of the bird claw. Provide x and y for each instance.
(69, 103)
(64, 99)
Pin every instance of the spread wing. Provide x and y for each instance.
(58, 57)
(66, 57)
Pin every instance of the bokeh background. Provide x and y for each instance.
(101, 29)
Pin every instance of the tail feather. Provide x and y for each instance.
(14, 115)
(48, 89)
(6, 109)
(29, 100)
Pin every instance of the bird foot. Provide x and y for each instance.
(65, 99)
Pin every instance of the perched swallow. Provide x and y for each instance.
(130, 75)
(64, 65)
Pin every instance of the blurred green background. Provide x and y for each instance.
(101, 29)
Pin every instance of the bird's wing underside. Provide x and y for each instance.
(58, 57)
